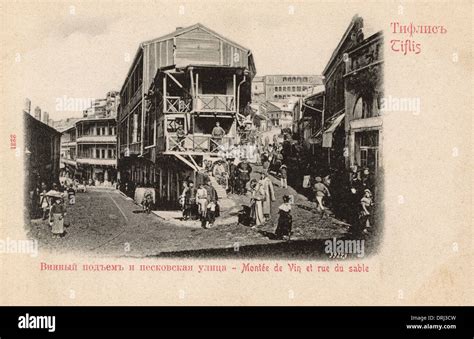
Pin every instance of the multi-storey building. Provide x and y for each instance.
(363, 94)
(277, 87)
(68, 152)
(178, 88)
(89, 146)
(96, 157)
(104, 108)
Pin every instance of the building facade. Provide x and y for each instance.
(89, 145)
(178, 88)
(105, 107)
(340, 122)
(363, 94)
(278, 87)
(42, 152)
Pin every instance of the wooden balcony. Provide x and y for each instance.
(197, 144)
(176, 105)
(214, 103)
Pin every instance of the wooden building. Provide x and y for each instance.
(178, 87)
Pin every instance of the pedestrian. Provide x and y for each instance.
(265, 162)
(269, 194)
(71, 194)
(366, 204)
(217, 134)
(231, 173)
(367, 179)
(212, 205)
(44, 202)
(257, 195)
(284, 176)
(201, 195)
(285, 219)
(57, 216)
(321, 191)
(182, 197)
(243, 172)
(190, 201)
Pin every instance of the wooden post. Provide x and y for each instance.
(168, 184)
(161, 183)
(235, 91)
(164, 94)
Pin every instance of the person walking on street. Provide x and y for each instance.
(321, 191)
(201, 195)
(212, 207)
(269, 195)
(285, 219)
(57, 215)
(257, 195)
(44, 202)
(365, 212)
(190, 201)
(284, 176)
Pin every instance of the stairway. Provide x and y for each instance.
(221, 192)
(225, 203)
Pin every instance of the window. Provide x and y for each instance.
(298, 88)
(97, 153)
(109, 153)
(103, 153)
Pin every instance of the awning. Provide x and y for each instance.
(327, 134)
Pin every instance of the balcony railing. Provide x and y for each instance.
(198, 144)
(177, 105)
(214, 103)
(88, 138)
(97, 161)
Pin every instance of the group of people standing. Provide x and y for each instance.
(200, 203)
(50, 205)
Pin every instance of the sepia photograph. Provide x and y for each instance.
(202, 142)
(236, 153)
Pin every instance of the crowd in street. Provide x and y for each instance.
(49, 203)
(347, 195)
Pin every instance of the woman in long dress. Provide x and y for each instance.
(269, 194)
(256, 204)
(57, 216)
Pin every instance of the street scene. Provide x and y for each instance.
(197, 154)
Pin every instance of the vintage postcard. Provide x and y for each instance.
(236, 153)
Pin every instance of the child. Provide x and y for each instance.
(283, 176)
(71, 194)
(366, 204)
(202, 200)
(285, 220)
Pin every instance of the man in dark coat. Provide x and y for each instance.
(243, 174)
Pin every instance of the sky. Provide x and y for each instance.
(79, 50)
